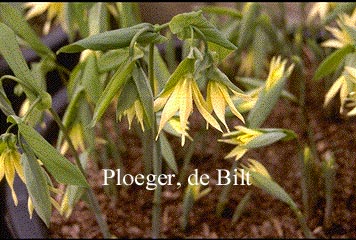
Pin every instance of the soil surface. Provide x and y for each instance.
(265, 216)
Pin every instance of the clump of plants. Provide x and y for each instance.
(130, 67)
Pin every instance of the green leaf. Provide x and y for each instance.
(145, 94)
(129, 13)
(59, 167)
(116, 82)
(71, 112)
(181, 24)
(36, 183)
(11, 52)
(264, 105)
(114, 39)
(15, 20)
(112, 59)
(217, 75)
(272, 188)
(265, 139)
(127, 97)
(247, 26)
(331, 63)
(73, 193)
(167, 153)
(90, 78)
(186, 66)
(98, 18)
(5, 104)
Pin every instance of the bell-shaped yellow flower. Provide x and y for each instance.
(55, 11)
(217, 99)
(10, 163)
(277, 71)
(136, 109)
(342, 36)
(241, 138)
(180, 98)
(76, 135)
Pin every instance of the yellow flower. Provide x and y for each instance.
(10, 162)
(55, 10)
(180, 98)
(217, 99)
(320, 9)
(342, 36)
(277, 71)
(173, 126)
(136, 109)
(241, 138)
(76, 135)
(346, 84)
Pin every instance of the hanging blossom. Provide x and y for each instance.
(218, 98)
(320, 9)
(342, 36)
(55, 12)
(254, 166)
(10, 162)
(179, 96)
(136, 109)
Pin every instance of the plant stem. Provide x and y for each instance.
(93, 202)
(156, 155)
(302, 222)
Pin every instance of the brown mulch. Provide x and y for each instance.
(265, 216)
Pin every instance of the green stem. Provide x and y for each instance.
(156, 157)
(160, 27)
(302, 222)
(134, 40)
(93, 202)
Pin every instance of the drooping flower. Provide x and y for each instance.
(55, 12)
(136, 109)
(10, 162)
(218, 98)
(342, 36)
(254, 166)
(179, 96)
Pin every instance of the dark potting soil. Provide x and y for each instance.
(265, 216)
